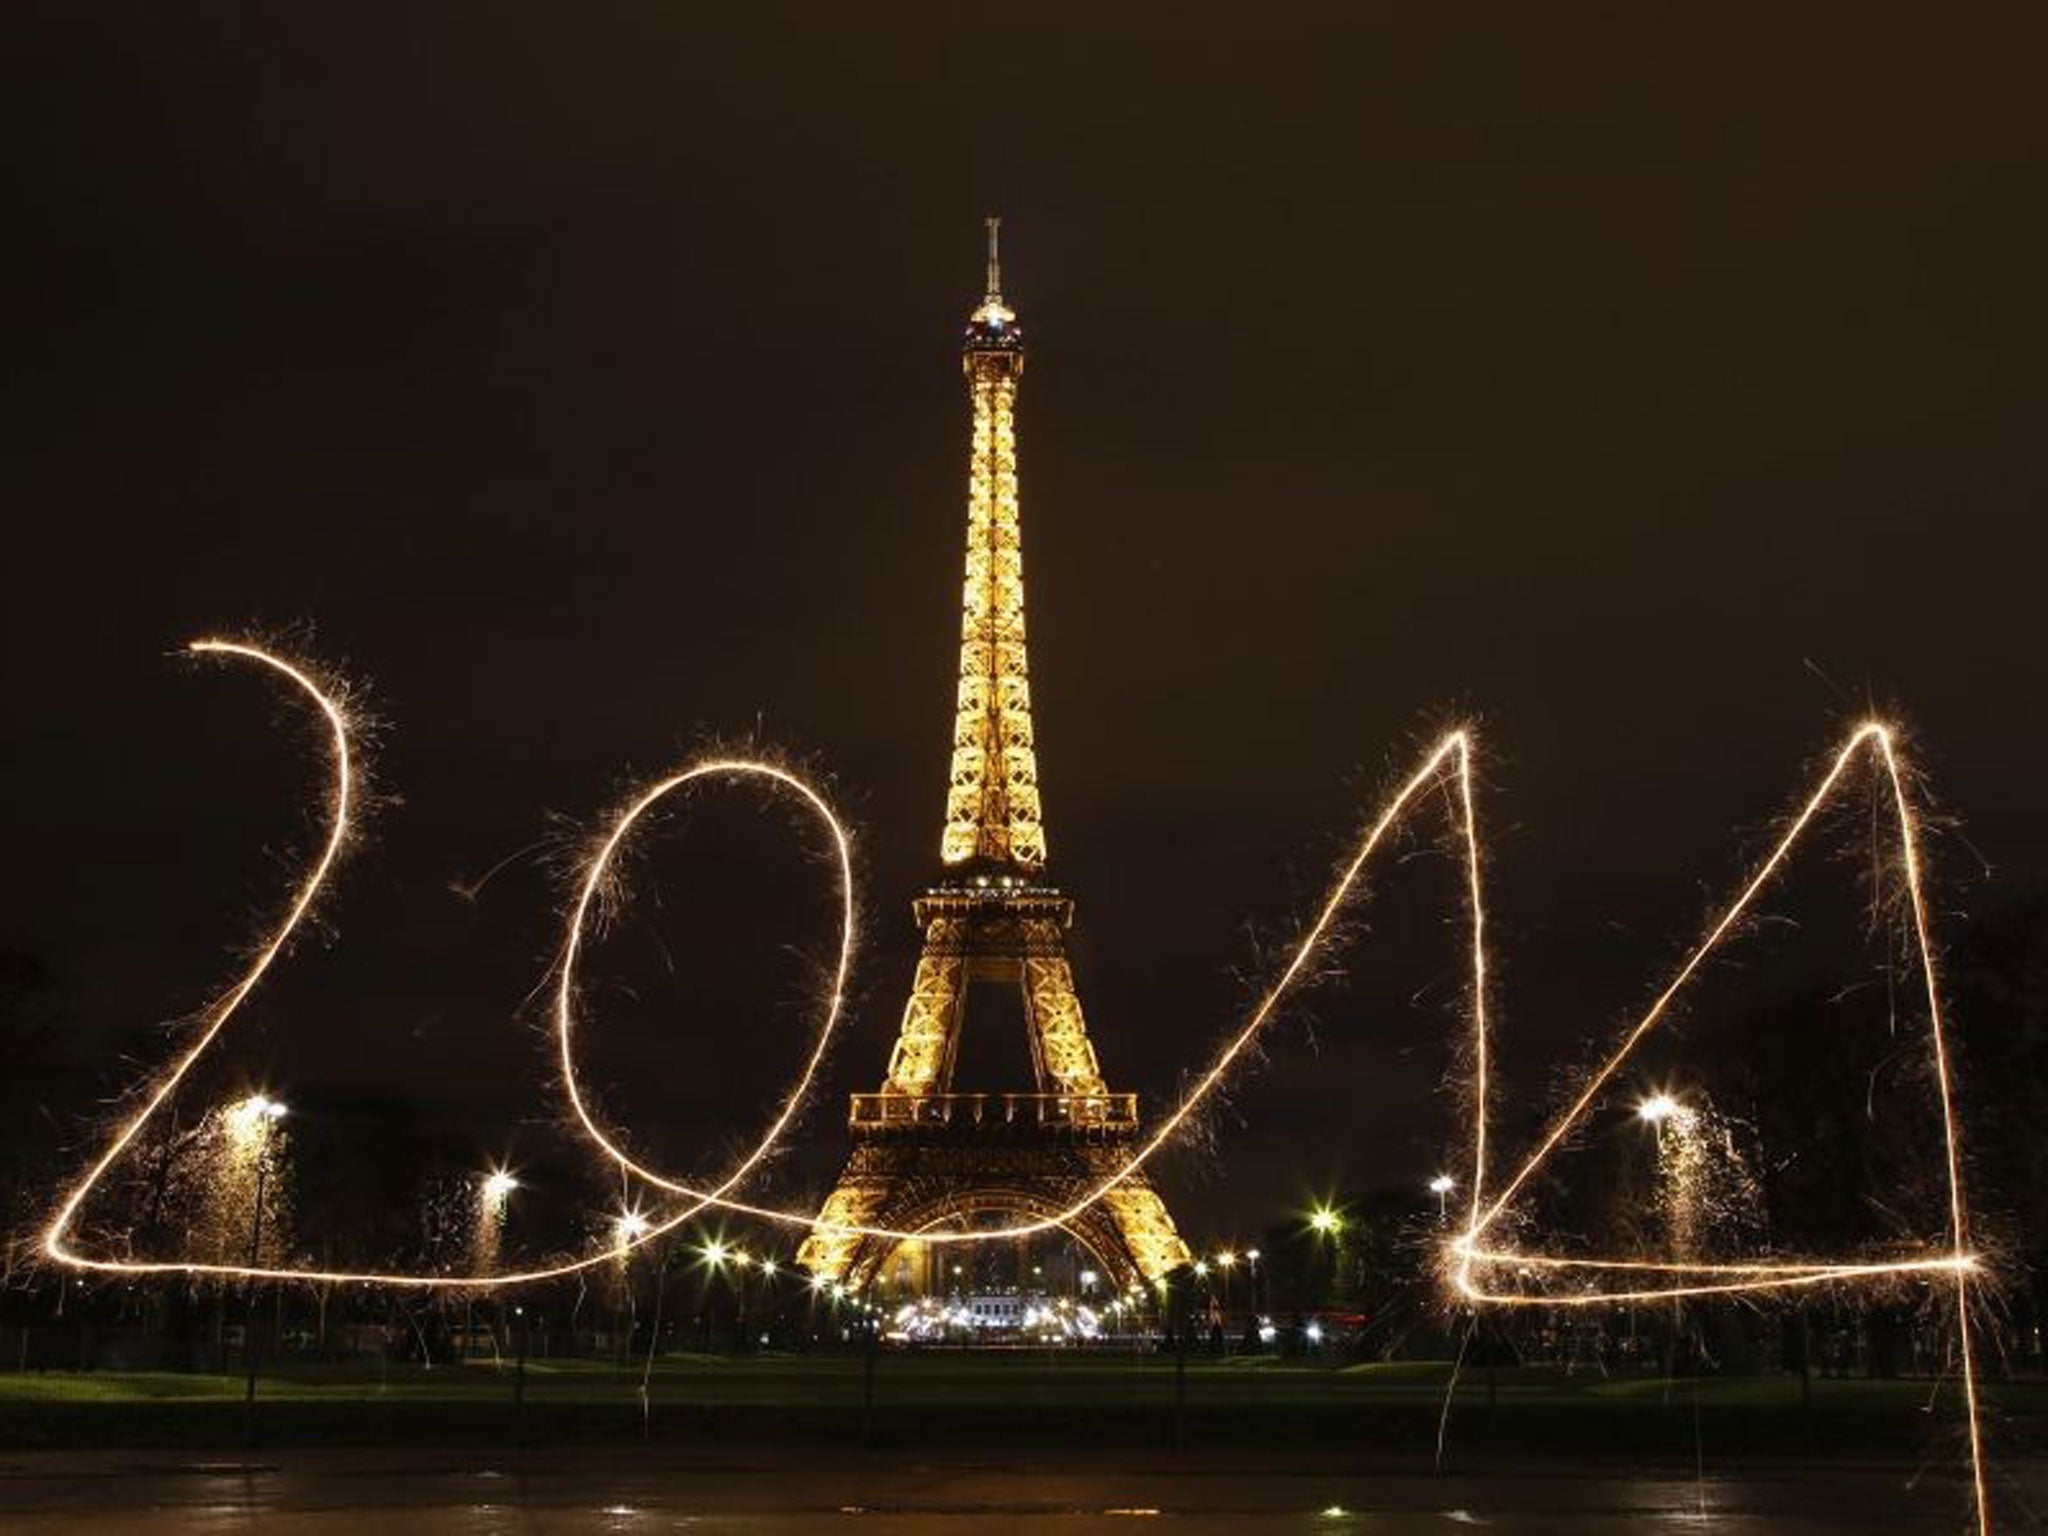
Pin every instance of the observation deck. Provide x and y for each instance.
(996, 1116)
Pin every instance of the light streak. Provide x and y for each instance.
(340, 806)
(630, 1231)
(1454, 749)
(1450, 760)
(1688, 1277)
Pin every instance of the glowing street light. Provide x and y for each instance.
(1325, 1221)
(493, 1194)
(1658, 1108)
(629, 1228)
(1441, 1186)
(250, 1122)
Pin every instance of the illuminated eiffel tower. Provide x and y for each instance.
(925, 1158)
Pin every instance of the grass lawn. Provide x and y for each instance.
(1013, 1399)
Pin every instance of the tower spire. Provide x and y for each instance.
(927, 1158)
(992, 811)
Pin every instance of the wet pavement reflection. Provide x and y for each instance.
(314, 1493)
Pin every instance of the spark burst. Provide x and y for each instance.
(1448, 764)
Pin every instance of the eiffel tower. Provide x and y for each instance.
(927, 1159)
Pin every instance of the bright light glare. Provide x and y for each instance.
(1658, 1108)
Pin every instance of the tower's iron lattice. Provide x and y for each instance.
(925, 1158)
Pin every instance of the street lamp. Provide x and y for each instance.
(486, 1238)
(629, 1228)
(1658, 1108)
(1328, 1226)
(251, 1122)
(1226, 1261)
(741, 1262)
(1441, 1186)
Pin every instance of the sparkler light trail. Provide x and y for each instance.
(341, 803)
(1687, 1277)
(1469, 1259)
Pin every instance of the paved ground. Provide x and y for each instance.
(314, 1493)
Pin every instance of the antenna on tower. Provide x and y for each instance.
(995, 257)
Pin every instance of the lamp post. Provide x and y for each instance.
(1327, 1223)
(627, 1230)
(1658, 1108)
(742, 1261)
(1441, 1186)
(770, 1308)
(1676, 1165)
(251, 1122)
(491, 1197)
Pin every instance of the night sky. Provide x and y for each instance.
(1659, 392)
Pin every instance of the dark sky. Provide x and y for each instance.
(1656, 389)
